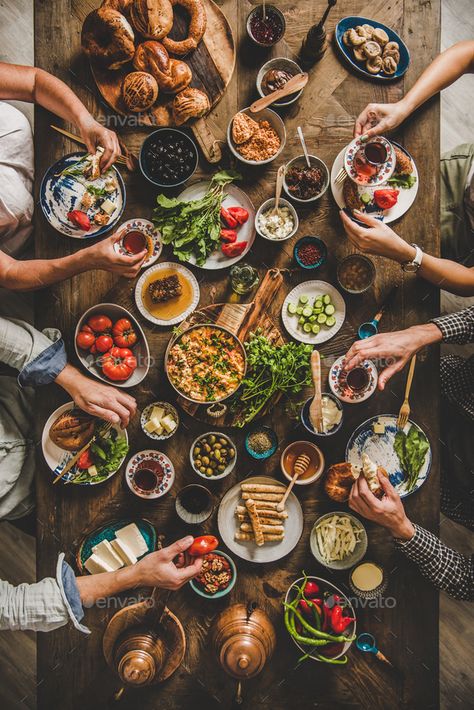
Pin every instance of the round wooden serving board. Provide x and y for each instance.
(212, 64)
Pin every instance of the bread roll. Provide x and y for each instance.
(107, 38)
(72, 430)
(339, 480)
(171, 75)
(123, 6)
(371, 471)
(152, 18)
(139, 91)
(190, 103)
(197, 27)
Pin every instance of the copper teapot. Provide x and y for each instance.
(139, 656)
(244, 639)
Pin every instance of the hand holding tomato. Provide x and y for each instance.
(202, 545)
(118, 364)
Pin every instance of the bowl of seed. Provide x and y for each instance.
(261, 442)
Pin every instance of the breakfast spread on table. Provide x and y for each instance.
(229, 362)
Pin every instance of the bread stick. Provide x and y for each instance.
(245, 536)
(274, 497)
(272, 529)
(264, 521)
(261, 488)
(267, 511)
(255, 522)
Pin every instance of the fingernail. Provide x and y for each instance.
(187, 540)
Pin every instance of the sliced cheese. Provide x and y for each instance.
(95, 564)
(157, 413)
(133, 538)
(106, 552)
(108, 206)
(122, 549)
(168, 423)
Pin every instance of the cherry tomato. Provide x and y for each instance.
(85, 460)
(104, 343)
(118, 364)
(85, 340)
(202, 545)
(79, 219)
(99, 323)
(123, 333)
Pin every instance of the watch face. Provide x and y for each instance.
(411, 267)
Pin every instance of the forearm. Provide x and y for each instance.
(99, 586)
(442, 72)
(448, 275)
(38, 273)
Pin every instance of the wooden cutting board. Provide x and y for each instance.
(241, 319)
(212, 64)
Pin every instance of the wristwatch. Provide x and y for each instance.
(412, 267)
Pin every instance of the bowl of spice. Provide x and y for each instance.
(261, 442)
(305, 184)
(213, 455)
(217, 576)
(279, 224)
(168, 157)
(256, 138)
(194, 504)
(310, 252)
(274, 74)
(266, 25)
(356, 273)
(332, 415)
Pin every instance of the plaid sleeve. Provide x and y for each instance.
(445, 568)
(457, 327)
(457, 382)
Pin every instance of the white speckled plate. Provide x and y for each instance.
(379, 447)
(313, 289)
(156, 269)
(59, 194)
(344, 393)
(148, 228)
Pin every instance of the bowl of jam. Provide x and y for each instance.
(356, 273)
(274, 74)
(266, 25)
(168, 157)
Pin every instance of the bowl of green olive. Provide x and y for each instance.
(213, 455)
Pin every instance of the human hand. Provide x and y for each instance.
(168, 568)
(378, 238)
(103, 256)
(396, 348)
(95, 135)
(388, 512)
(96, 398)
(376, 119)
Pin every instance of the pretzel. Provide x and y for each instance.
(255, 521)
(197, 27)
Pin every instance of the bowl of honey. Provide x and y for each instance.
(307, 457)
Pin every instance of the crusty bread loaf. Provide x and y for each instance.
(72, 430)
(139, 91)
(107, 38)
(152, 18)
(171, 75)
(339, 480)
(190, 103)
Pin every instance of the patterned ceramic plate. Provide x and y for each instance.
(312, 289)
(150, 458)
(108, 532)
(151, 233)
(342, 391)
(57, 458)
(59, 194)
(145, 417)
(186, 274)
(379, 447)
(384, 172)
(406, 196)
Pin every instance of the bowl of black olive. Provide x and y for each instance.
(168, 157)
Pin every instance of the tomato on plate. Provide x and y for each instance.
(202, 545)
(124, 334)
(385, 198)
(99, 323)
(79, 219)
(235, 249)
(104, 343)
(118, 364)
(85, 460)
(85, 340)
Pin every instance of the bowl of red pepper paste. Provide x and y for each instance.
(310, 252)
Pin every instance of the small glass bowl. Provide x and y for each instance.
(266, 454)
(318, 243)
(305, 420)
(360, 259)
(274, 10)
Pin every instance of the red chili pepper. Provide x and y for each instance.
(79, 219)
(327, 612)
(229, 235)
(306, 608)
(310, 589)
(235, 249)
(239, 213)
(339, 622)
(228, 218)
(385, 199)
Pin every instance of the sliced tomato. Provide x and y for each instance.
(85, 460)
(235, 249)
(79, 219)
(385, 199)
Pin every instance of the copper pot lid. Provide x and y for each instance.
(242, 656)
(137, 667)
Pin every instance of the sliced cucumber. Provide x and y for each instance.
(322, 318)
(313, 319)
(318, 303)
(318, 310)
(291, 309)
(326, 299)
(299, 310)
(329, 310)
(307, 327)
(303, 299)
(315, 328)
(366, 198)
(330, 321)
(307, 311)
(301, 320)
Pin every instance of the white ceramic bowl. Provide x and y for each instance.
(283, 64)
(140, 350)
(230, 466)
(315, 162)
(169, 409)
(269, 204)
(350, 560)
(317, 474)
(265, 115)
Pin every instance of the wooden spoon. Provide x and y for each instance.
(296, 83)
(316, 407)
(278, 187)
(281, 504)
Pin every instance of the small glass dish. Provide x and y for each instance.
(312, 241)
(360, 266)
(260, 456)
(277, 18)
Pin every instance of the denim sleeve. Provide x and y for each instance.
(70, 594)
(45, 367)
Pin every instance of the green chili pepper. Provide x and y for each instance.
(316, 632)
(302, 639)
(337, 661)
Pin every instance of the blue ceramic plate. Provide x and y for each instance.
(348, 23)
(59, 194)
(379, 447)
(222, 592)
(107, 532)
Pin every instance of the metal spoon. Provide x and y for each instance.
(303, 143)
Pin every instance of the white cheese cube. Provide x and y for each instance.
(106, 552)
(108, 206)
(92, 471)
(124, 551)
(379, 428)
(150, 426)
(157, 413)
(95, 564)
(168, 423)
(133, 538)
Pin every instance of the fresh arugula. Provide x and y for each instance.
(411, 450)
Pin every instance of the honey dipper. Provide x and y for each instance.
(299, 467)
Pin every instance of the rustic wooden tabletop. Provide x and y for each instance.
(71, 667)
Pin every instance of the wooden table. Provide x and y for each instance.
(71, 667)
